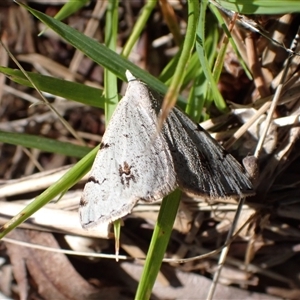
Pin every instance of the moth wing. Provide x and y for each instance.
(203, 167)
(133, 162)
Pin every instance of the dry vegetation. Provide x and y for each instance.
(263, 259)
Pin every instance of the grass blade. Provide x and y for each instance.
(261, 6)
(219, 101)
(98, 52)
(67, 89)
(159, 243)
(44, 144)
(63, 184)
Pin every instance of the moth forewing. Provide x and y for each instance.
(136, 161)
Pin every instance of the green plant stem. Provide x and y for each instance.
(159, 243)
(139, 27)
(200, 46)
(187, 48)
(110, 79)
(169, 207)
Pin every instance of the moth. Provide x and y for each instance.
(138, 162)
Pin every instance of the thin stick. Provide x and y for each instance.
(225, 250)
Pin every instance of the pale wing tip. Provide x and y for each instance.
(129, 76)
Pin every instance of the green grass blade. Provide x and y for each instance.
(139, 27)
(219, 101)
(110, 79)
(199, 96)
(187, 48)
(231, 40)
(196, 98)
(110, 83)
(67, 89)
(98, 52)
(159, 243)
(168, 71)
(64, 183)
(261, 6)
(70, 8)
(192, 70)
(169, 207)
(44, 144)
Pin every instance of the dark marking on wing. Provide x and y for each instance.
(126, 174)
(93, 179)
(103, 145)
(83, 202)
